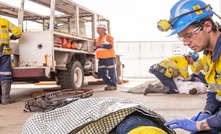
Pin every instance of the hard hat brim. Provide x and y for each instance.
(179, 29)
(102, 28)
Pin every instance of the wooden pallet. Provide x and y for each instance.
(46, 83)
(102, 82)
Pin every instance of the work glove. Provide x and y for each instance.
(186, 124)
(12, 37)
(193, 79)
(201, 116)
(151, 70)
(197, 80)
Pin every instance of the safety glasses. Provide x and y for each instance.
(188, 36)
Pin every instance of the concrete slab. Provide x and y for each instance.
(12, 116)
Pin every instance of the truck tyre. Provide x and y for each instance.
(73, 77)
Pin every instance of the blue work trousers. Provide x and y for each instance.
(5, 68)
(168, 82)
(107, 71)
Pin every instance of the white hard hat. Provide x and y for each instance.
(100, 25)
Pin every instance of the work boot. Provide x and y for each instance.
(193, 91)
(6, 88)
(106, 87)
(156, 89)
(110, 88)
(165, 89)
(149, 89)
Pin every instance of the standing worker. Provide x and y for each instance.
(105, 53)
(192, 21)
(169, 69)
(6, 27)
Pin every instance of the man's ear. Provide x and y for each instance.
(208, 26)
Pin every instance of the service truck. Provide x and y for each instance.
(60, 48)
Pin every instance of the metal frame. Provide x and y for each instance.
(46, 58)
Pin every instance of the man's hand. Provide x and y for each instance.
(12, 37)
(98, 45)
(186, 124)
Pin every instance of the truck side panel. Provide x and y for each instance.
(36, 49)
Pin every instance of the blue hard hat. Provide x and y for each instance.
(183, 13)
(194, 55)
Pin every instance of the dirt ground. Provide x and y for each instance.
(12, 116)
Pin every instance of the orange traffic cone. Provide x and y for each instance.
(74, 45)
(68, 44)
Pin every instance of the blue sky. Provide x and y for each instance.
(133, 20)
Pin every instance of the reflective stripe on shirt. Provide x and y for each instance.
(4, 31)
(166, 65)
(4, 40)
(100, 49)
(11, 27)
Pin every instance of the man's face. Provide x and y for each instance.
(100, 30)
(195, 38)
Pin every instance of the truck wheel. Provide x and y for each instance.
(73, 77)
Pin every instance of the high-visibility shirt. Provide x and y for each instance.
(103, 53)
(178, 65)
(7, 27)
(197, 66)
(213, 68)
(213, 79)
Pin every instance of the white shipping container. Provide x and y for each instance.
(138, 56)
